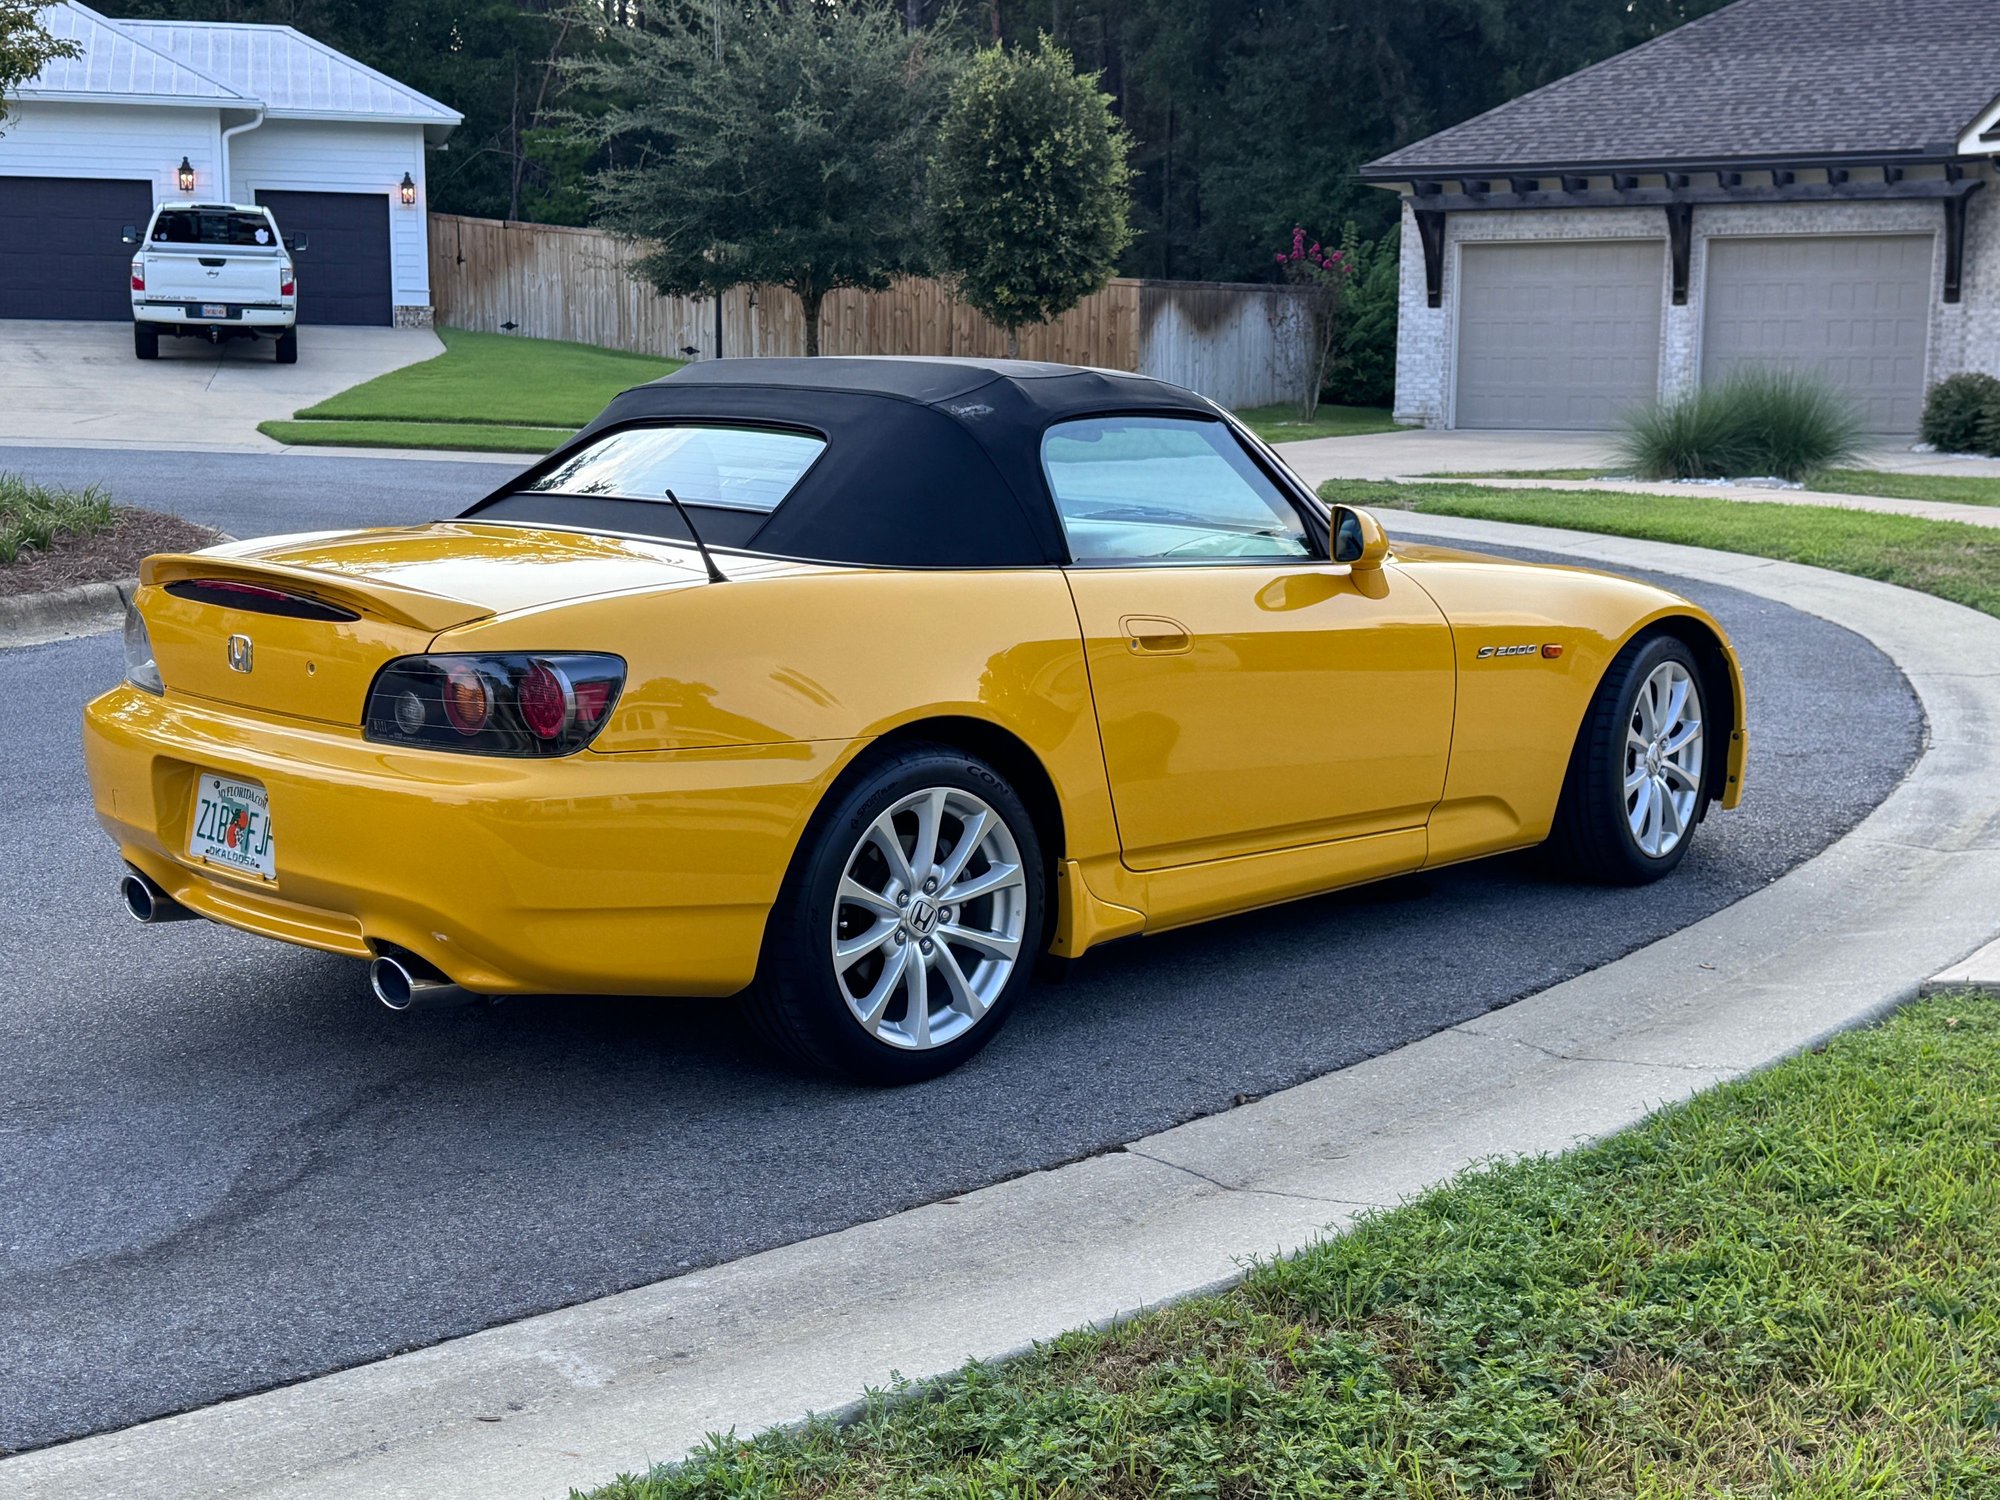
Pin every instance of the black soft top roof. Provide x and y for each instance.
(929, 462)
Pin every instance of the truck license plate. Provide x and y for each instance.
(214, 310)
(232, 826)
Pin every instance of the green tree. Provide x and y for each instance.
(25, 47)
(1029, 187)
(762, 142)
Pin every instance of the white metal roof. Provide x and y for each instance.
(228, 65)
(293, 75)
(118, 65)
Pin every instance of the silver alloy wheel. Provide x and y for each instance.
(1663, 752)
(929, 918)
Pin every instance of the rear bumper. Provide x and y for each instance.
(593, 874)
(175, 314)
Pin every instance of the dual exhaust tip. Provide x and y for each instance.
(401, 981)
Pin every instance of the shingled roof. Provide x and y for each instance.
(1758, 80)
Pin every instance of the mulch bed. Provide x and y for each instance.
(107, 556)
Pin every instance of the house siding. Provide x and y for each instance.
(53, 139)
(316, 156)
(1963, 336)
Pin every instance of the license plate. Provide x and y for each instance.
(214, 310)
(232, 826)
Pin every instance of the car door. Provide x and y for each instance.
(1251, 695)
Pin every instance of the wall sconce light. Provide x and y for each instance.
(408, 188)
(184, 175)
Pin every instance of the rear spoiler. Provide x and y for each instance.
(371, 598)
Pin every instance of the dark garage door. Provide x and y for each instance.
(60, 252)
(344, 270)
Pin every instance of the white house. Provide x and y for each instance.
(217, 112)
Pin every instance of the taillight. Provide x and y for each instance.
(141, 670)
(546, 699)
(467, 697)
(138, 274)
(512, 703)
(286, 286)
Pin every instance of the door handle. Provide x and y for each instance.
(1155, 635)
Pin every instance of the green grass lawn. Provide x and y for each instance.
(1283, 424)
(1956, 489)
(493, 389)
(1946, 558)
(496, 392)
(1600, 473)
(1788, 1287)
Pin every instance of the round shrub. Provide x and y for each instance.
(1962, 414)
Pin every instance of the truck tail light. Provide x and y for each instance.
(286, 286)
(138, 274)
(501, 703)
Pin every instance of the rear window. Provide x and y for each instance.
(734, 468)
(207, 226)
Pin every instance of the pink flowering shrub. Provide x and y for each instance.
(1324, 278)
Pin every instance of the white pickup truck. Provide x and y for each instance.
(213, 271)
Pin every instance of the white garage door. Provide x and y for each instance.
(1558, 334)
(1853, 308)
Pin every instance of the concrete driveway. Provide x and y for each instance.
(75, 384)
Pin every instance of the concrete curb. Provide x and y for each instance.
(572, 1397)
(58, 614)
(1980, 972)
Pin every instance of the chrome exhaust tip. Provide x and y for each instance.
(403, 982)
(149, 904)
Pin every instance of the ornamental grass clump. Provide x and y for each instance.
(33, 516)
(1780, 423)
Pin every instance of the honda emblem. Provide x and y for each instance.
(240, 653)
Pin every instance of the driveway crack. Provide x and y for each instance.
(1580, 1057)
(1231, 1187)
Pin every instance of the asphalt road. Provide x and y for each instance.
(222, 1167)
(252, 494)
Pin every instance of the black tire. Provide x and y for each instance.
(1593, 837)
(800, 1005)
(288, 347)
(146, 340)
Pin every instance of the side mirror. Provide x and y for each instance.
(130, 235)
(1358, 538)
(297, 242)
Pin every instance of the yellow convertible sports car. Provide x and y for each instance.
(862, 686)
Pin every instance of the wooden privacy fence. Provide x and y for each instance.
(1242, 345)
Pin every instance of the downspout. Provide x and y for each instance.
(228, 168)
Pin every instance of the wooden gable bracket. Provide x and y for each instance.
(1954, 241)
(1680, 245)
(1430, 230)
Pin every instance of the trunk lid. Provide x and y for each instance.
(299, 626)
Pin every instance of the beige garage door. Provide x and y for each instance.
(1558, 334)
(1853, 308)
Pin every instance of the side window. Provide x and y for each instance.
(1165, 489)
